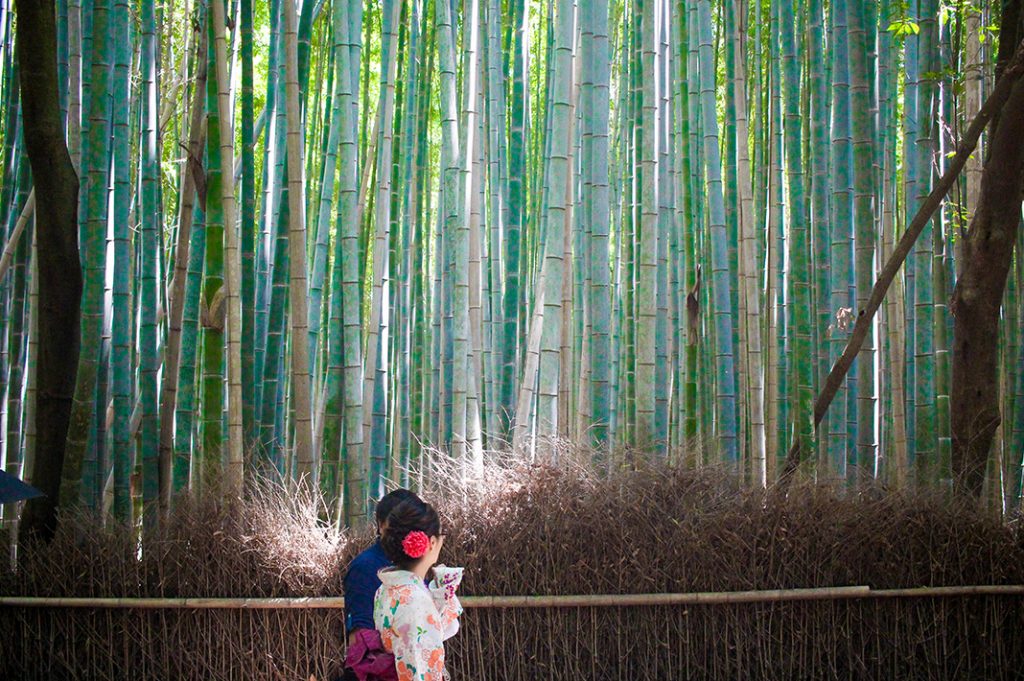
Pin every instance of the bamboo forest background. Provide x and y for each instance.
(319, 238)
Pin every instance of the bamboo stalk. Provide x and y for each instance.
(298, 290)
(19, 227)
(831, 593)
(233, 259)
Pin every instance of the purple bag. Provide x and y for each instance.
(367, 660)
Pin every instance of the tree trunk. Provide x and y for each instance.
(977, 298)
(60, 275)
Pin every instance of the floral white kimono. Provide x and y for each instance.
(414, 621)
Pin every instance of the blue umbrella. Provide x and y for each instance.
(12, 489)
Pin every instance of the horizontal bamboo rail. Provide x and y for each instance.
(578, 601)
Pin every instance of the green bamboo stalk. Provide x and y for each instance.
(75, 75)
(185, 403)
(247, 193)
(498, 217)
(423, 413)
(357, 467)
(232, 256)
(666, 200)
(121, 348)
(749, 271)
(725, 398)
(31, 390)
(893, 464)
(924, 332)
(213, 313)
(690, 408)
(865, 232)
(518, 143)
(555, 215)
(726, 52)
(799, 280)
(271, 190)
(818, 140)
(648, 236)
(942, 271)
(346, 349)
(17, 333)
(151, 221)
(331, 478)
(841, 216)
(471, 186)
(376, 366)
(272, 439)
(175, 424)
(320, 210)
(596, 123)
(911, 82)
(303, 446)
(1017, 434)
(450, 163)
(779, 328)
(94, 192)
(633, 143)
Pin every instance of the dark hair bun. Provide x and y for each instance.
(388, 502)
(409, 516)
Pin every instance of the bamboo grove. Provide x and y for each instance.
(321, 236)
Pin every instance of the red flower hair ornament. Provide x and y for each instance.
(416, 544)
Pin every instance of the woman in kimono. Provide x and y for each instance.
(414, 618)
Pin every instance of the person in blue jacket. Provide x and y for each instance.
(365, 651)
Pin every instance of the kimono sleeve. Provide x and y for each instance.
(420, 654)
(448, 609)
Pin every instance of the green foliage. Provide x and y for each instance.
(901, 28)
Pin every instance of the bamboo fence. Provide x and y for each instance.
(835, 593)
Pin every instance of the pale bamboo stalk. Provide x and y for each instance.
(368, 165)
(31, 390)
(470, 222)
(168, 112)
(176, 294)
(647, 252)
(527, 386)
(498, 219)
(748, 260)
(478, 344)
(380, 245)
(896, 359)
(772, 312)
(232, 255)
(555, 208)
(19, 229)
(567, 360)
(298, 303)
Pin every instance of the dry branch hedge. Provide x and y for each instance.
(553, 531)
